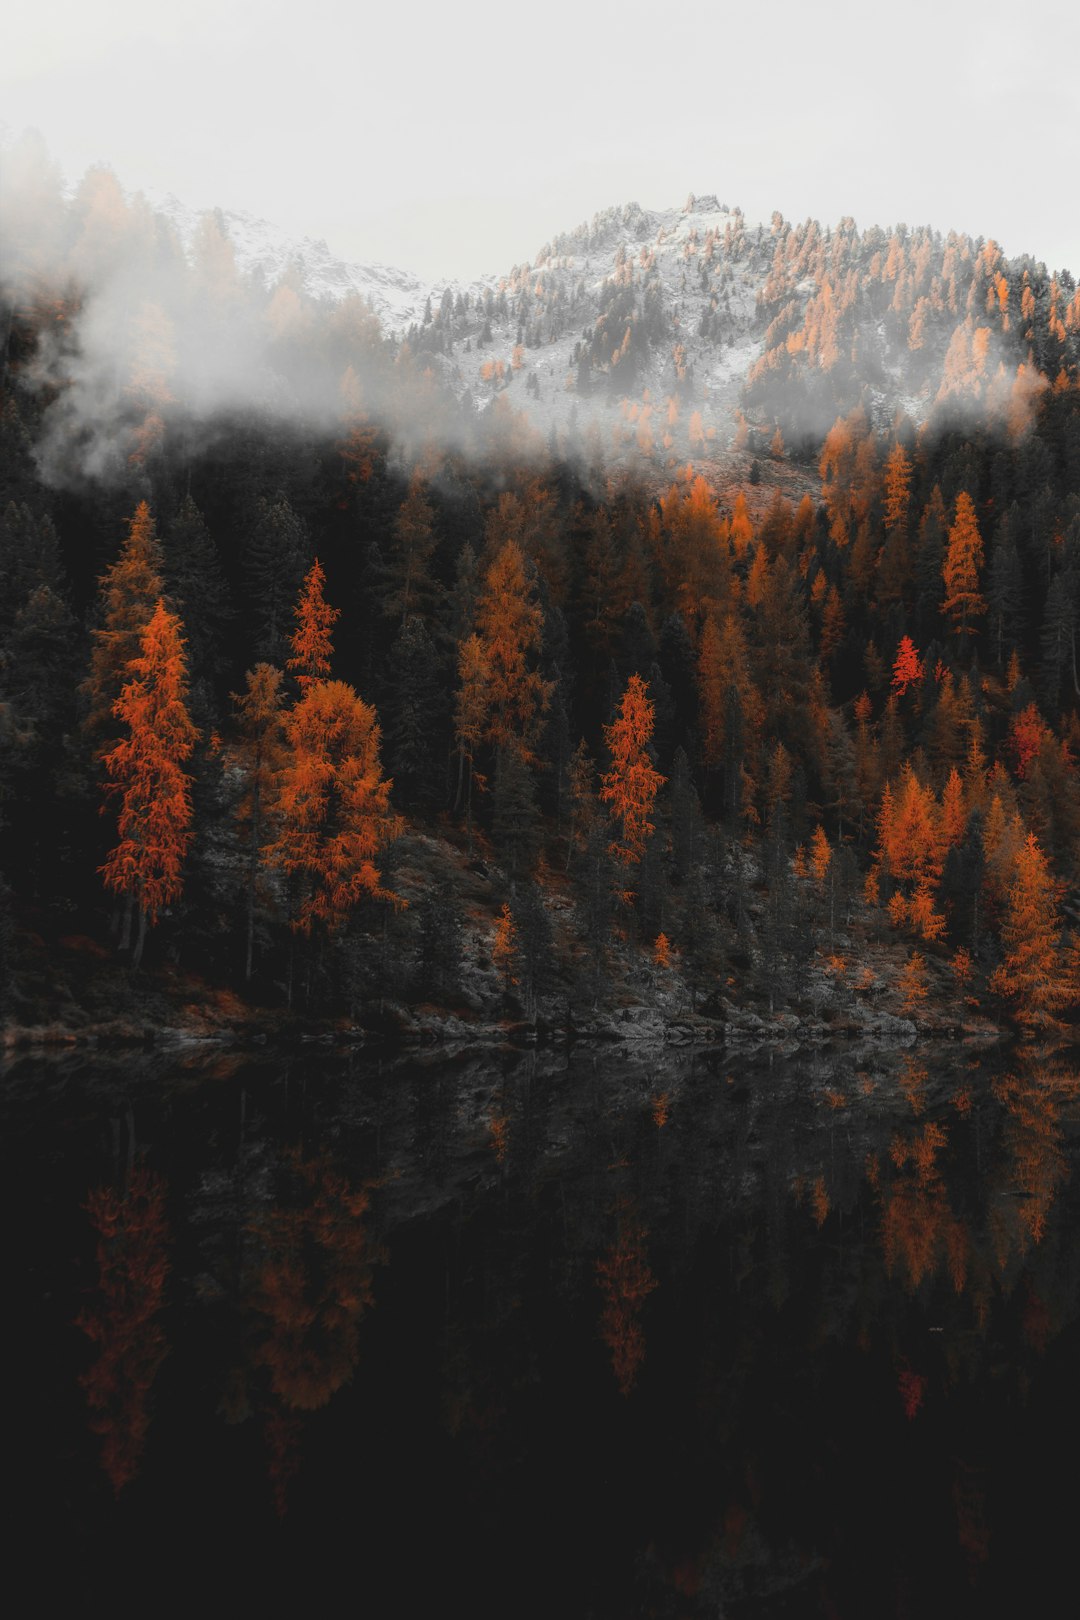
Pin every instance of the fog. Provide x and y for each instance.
(143, 334)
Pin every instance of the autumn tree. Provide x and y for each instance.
(312, 647)
(631, 785)
(259, 753)
(128, 593)
(470, 717)
(123, 1317)
(907, 669)
(897, 488)
(504, 948)
(963, 566)
(912, 982)
(333, 806)
(510, 624)
(146, 771)
(1031, 975)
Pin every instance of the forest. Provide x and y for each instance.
(352, 702)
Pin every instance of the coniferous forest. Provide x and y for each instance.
(359, 700)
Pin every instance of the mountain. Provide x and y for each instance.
(643, 337)
(694, 331)
(269, 254)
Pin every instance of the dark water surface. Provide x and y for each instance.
(598, 1335)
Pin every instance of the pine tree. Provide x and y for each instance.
(146, 771)
(260, 754)
(198, 589)
(515, 826)
(410, 589)
(415, 712)
(274, 567)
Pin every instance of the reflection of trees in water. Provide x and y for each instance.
(625, 1283)
(124, 1318)
(919, 1228)
(314, 1284)
(1035, 1165)
(307, 1294)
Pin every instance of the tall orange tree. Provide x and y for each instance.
(963, 567)
(128, 593)
(333, 806)
(631, 785)
(146, 771)
(1032, 974)
(510, 623)
(312, 648)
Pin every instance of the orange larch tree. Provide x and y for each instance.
(908, 668)
(510, 622)
(470, 716)
(312, 648)
(146, 770)
(631, 785)
(897, 488)
(333, 806)
(1032, 974)
(963, 566)
(504, 946)
(128, 593)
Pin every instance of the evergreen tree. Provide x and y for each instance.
(415, 713)
(260, 754)
(197, 587)
(515, 827)
(274, 568)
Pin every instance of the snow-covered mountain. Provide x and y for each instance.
(269, 253)
(695, 332)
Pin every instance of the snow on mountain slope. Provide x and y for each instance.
(262, 249)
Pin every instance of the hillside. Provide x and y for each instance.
(708, 668)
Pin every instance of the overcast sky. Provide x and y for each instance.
(453, 138)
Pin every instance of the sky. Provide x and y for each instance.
(453, 139)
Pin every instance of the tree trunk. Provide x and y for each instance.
(140, 941)
(253, 867)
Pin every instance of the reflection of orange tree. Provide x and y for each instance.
(124, 1318)
(1033, 1134)
(314, 1286)
(918, 1226)
(625, 1281)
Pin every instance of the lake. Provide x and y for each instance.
(600, 1333)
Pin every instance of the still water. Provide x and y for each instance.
(566, 1335)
